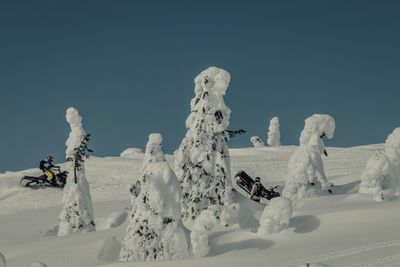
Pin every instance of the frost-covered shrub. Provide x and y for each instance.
(202, 226)
(274, 134)
(276, 216)
(202, 161)
(77, 213)
(306, 174)
(3, 262)
(132, 153)
(381, 177)
(155, 230)
(256, 141)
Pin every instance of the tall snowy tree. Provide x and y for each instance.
(306, 174)
(77, 213)
(381, 177)
(202, 162)
(155, 231)
(274, 134)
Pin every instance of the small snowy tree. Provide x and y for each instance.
(202, 161)
(155, 231)
(276, 216)
(256, 141)
(306, 173)
(274, 134)
(202, 226)
(381, 177)
(77, 213)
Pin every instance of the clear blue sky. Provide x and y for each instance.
(128, 66)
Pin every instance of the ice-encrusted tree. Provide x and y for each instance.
(155, 231)
(274, 134)
(381, 177)
(77, 213)
(306, 174)
(276, 216)
(257, 141)
(202, 161)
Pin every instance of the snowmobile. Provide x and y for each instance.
(244, 181)
(42, 182)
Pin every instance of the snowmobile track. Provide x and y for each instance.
(392, 260)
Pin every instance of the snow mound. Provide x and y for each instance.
(109, 250)
(256, 141)
(115, 219)
(276, 216)
(3, 262)
(38, 264)
(132, 153)
(381, 177)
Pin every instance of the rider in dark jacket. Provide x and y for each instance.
(256, 189)
(47, 167)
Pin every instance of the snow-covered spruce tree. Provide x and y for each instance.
(77, 213)
(381, 177)
(276, 216)
(274, 134)
(305, 174)
(256, 141)
(202, 161)
(155, 231)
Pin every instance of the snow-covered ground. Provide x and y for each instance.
(343, 229)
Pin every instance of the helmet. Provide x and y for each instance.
(50, 158)
(258, 179)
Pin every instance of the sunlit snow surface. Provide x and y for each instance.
(343, 229)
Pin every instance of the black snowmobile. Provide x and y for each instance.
(244, 181)
(42, 182)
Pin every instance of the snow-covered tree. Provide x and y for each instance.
(276, 216)
(202, 226)
(274, 134)
(155, 231)
(381, 177)
(77, 213)
(202, 162)
(256, 141)
(306, 175)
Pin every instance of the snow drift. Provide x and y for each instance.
(276, 216)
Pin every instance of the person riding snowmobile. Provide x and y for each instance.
(256, 190)
(46, 166)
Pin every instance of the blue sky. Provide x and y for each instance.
(128, 66)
